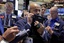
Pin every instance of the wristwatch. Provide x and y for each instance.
(3, 40)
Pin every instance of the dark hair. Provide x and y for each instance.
(43, 5)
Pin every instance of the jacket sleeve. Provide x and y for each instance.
(59, 35)
(1, 27)
(20, 25)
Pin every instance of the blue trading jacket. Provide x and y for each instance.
(58, 35)
(1, 28)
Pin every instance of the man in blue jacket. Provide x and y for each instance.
(8, 18)
(55, 27)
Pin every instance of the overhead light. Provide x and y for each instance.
(4, 0)
(58, 5)
(47, 0)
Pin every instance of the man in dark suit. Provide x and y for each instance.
(36, 33)
(22, 24)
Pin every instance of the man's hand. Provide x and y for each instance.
(29, 18)
(36, 23)
(10, 33)
(41, 29)
(1, 38)
(48, 28)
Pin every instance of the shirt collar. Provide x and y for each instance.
(6, 13)
(56, 19)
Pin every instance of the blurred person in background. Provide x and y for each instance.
(54, 27)
(1, 26)
(8, 15)
(25, 13)
(21, 14)
(43, 10)
(24, 21)
(48, 17)
(9, 34)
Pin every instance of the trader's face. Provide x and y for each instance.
(26, 13)
(43, 10)
(35, 10)
(54, 14)
(9, 9)
(29, 18)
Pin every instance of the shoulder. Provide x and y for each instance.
(19, 21)
(61, 21)
(13, 14)
(47, 22)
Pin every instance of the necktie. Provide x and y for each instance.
(7, 20)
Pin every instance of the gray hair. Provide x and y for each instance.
(54, 8)
(9, 4)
